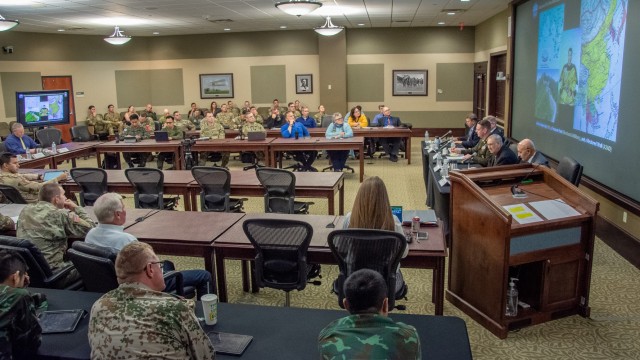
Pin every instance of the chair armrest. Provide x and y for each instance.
(179, 284)
(59, 275)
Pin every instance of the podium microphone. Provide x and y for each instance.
(516, 191)
(446, 134)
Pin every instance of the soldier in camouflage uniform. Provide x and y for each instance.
(233, 108)
(292, 107)
(368, 333)
(175, 133)
(146, 122)
(252, 126)
(112, 120)
(6, 223)
(211, 129)
(162, 118)
(49, 222)
(150, 113)
(226, 118)
(184, 124)
(141, 133)
(258, 117)
(92, 119)
(19, 327)
(137, 318)
(196, 117)
(27, 184)
(318, 116)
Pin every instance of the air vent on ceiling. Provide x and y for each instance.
(218, 21)
(457, 11)
(75, 28)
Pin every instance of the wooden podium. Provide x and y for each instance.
(551, 257)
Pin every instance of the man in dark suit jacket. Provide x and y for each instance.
(391, 145)
(528, 154)
(494, 127)
(472, 138)
(500, 153)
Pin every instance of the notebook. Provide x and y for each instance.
(231, 344)
(161, 136)
(256, 135)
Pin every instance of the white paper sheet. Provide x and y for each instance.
(554, 209)
(522, 213)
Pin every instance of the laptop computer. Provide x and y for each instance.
(52, 174)
(256, 135)
(161, 136)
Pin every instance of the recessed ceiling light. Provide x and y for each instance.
(227, 29)
(465, 0)
(156, 33)
(451, 13)
(441, 23)
(360, 24)
(283, 27)
(61, 30)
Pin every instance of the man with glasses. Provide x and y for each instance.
(48, 224)
(138, 320)
(19, 327)
(501, 154)
(175, 133)
(112, 215)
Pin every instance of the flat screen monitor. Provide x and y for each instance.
(42, 108)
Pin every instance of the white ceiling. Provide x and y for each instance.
(180, 17)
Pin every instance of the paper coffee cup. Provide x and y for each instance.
(210, 308)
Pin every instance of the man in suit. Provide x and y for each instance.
(18, 142)
(471, 139)
(528, 154)
(391, 145)
(500, 153)
(494, 126)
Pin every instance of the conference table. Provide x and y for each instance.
(424, 254)
(278, 332)
(243, 183)
(67, 151)
(234, 145)
(316, 144)
(143, 146)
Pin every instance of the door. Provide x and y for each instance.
(480, 88)
(498, 85)
(62, 83)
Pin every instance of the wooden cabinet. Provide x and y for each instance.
(551, 257)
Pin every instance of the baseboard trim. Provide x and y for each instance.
(619, 240)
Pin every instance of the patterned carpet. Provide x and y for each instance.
(612, 331)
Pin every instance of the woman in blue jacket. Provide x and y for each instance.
(293, 129)
(338, 130)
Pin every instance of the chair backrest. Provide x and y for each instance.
(378, 250)
(96, 265)
(3, 147)
(216, 187)
(5, 130)
(12, 194)
(39, 269)
(570, 169)
(326, 121)
(48, 136)
(80, 133)
(280, 189)
(92, 182)
(281, 251)
(149, 184)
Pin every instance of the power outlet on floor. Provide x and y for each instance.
(624, 217)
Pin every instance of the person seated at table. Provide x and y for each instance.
(146, 122)
(140, 133)
(258, 117)
(357, 119)
(112, 215)
(252, 126)
(275, 120)
(528, 154)
(390, 145)
(494, 126)
(318, 116)
(376, 119)
(92, 119)
(28, 185)
(49, 223)
(293, 129)
(20, 332)
(480, 153)
(110, 123)
(137, 320)
(126, 117)
(501, 154)
(292, 107)
(175, 133)
(19, 143)
(338, 130)
(372, 210)
(209, 127)
(471, 139)
(305, 119)
(226, 118)
(183, 124)
(368, 332)
(148, 111)
(196, 117)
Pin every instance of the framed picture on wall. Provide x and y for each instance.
(304, 84)
(216, 86)
(410, 82)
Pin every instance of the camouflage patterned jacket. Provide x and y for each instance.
(6, 223)
(93, 120)
(247, 128)
(175, 134)
(134, 131)
(227, 120)
(27, 184)
(185, 125)
(19, 327)
(108, 124)
(133, 320)
(48, 228)
(369, 336)
(215, 131)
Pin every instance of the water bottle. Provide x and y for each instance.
(53, 148)
(438, 159)
(437, 142)
(445, 168)
(512, 299)
(426, 139)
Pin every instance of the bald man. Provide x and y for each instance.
(528, 154)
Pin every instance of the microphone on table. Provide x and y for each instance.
(445, 134)
(516, 191)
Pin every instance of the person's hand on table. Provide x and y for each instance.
(467, 157)
(62, 177)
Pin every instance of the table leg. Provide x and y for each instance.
(438, 285)
(331, 204)
(254, 284)
(98, 157)
(222, 278)
(208, 263)
(408, 150)
(177, 158)
(245, 275)
(187, 201)
(361, 162)
(341, 198)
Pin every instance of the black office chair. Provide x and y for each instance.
(40, 273)
(149, 185)
(92, 182)
(80, 133)
(347, 167)
(215, 183)
(326, 121)
(378, 250)
(11, 195)
(281, 253)
(570, 169)
(96, 265)
(280, 192)
(48, 136)
(3, 147)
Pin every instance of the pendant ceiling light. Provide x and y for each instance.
(7, 24)
(117, 38)
(328, 29)
(298, 7)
